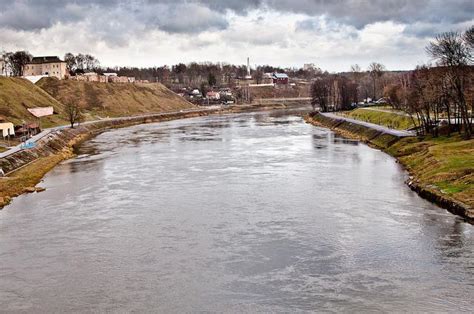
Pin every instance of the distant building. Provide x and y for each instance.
(118, 79)
(90, 77)
(213, 96)
(280, 78)
(49, 66)
(7, 129)
(309, 67)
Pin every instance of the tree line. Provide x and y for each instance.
(432, 94)
(15, 61)
(193, 74)
(80, 63)
(342, 91)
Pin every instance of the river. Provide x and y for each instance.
(255, 212)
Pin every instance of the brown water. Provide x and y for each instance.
(241, 213)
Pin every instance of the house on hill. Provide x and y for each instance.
(46, 66)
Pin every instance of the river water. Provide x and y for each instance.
(251, 212)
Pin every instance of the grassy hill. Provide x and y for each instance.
(395, 120)
(16, 95)
(99, 100)
(102, 100)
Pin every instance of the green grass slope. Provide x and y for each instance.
(392, 120)
(446, 163)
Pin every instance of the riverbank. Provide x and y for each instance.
(392, 119)
(441, 169)
(26, 168)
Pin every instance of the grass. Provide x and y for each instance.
(446, 163)
(102, 100)
(99, 100)
(26, 177)
(17, 94)
(391, 120)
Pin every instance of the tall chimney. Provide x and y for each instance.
(248, 66)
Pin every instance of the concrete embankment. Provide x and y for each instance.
(26, 167)
(384, 141)
(372, 136)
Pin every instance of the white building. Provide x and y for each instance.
(49, 66)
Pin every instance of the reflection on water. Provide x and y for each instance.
(240, 213)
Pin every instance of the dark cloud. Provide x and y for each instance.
(193, 16)
(359, 13)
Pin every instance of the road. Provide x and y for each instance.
(398, 133)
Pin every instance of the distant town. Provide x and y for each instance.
(322, 160)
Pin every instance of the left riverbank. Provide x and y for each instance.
(25, 169)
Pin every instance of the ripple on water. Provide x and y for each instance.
(238, 213)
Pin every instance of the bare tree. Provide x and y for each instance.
(91, 63)
(356, 72)
(258, 75)
(356, 76)
(71, 63)
(16, 61)
(469, 37)
(81, 62)
(74, 113)
(320, 92)
(451, 51)
(376, 70)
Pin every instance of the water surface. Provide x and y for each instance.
(238, 213)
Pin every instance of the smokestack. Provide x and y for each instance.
(248, 66)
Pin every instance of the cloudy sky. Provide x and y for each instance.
(330, 33)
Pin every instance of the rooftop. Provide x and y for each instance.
(280, 75)
(46, 59)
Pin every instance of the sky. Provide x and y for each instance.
(332, 34)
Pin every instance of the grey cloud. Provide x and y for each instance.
(193, 16)
(429, 30)
(170, 16)
(359, 13)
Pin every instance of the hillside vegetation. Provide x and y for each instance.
(392, 120)
(17, 94)
(99, 100)
(102, 100)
